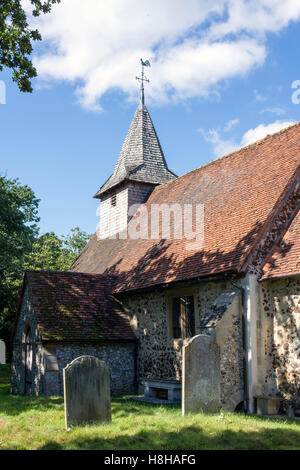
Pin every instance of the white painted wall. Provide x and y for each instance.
(114, 219)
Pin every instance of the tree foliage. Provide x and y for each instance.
(21, 247)
(18, 228)
(16, 39)
(76, 240)
(49, 252)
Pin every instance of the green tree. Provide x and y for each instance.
(76, 241)
(18, 229)
(21, 247)
(49, 252)
(16, 39)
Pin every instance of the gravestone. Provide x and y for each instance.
(2, 352)
(86, 391)
(201, 376)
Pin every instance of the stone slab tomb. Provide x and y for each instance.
(168, 391)
(2, 352)
(201, 376)
(86, 391)
(267, 405)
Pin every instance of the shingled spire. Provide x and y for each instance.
(141, 158)
(140, 167)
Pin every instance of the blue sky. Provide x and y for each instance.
(217, 83)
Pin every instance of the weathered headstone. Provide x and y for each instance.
(86, 391)
(2, 352)
(201, 376)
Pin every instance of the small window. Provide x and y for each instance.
(176, 317)
(113, 200)
(182, 317)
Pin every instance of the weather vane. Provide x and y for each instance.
(143, 79)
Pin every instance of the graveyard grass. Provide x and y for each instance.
(29, 422)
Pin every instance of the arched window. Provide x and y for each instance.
(27, 335)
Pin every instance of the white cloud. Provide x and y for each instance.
(220, 146)
(256, 17)
(278, 111)
(230, 124)
(96, 45)
(223, 146)
(259, 132)
(259, 96)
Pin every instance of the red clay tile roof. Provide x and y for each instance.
(74, 306)
(285, 258)
(238, 191)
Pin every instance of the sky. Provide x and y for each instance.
(223, 74)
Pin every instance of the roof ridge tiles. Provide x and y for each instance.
(230, 154)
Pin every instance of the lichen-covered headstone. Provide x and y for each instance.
(86, 391)
(2, 352)
(201, 376)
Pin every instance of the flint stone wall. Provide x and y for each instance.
(279, 339)
(160, 356)
(86, 391)
(120, 358)
(229, 337)
(219, 305)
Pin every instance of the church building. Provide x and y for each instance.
(135, 302)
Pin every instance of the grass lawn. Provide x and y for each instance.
(38, 423)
